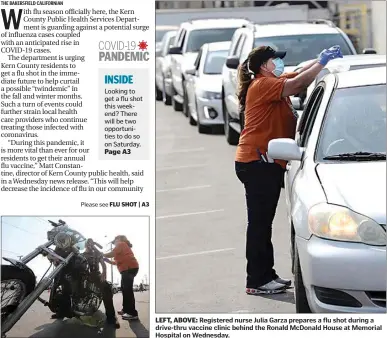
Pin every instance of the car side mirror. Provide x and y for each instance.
(369, 51)
(296, 102)
(285, 149)
(232, 62)
(174, 51)
(191, 72)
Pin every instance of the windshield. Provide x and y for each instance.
(215, 61)
(198, 38)
(303, 47)
(355, 122)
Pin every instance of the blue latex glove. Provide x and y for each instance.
(329, 54)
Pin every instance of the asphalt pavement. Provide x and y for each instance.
(200, 225)
(37, 323)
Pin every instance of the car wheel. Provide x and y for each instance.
(177, 106)
(159, 94)
(186, 111)
(192, 121)
(166, 98)
(302, 305)
(232, 136)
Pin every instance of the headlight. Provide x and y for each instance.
(62, 240)
(210, 95)
(342, 224)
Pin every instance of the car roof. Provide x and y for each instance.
(287, 29)
(215, 23)
(166, 28)
(353, 60)
(361, 77)
(214, 46)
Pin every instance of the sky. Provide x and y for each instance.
(21, 235)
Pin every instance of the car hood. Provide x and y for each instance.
(210, 83)
(360, 186)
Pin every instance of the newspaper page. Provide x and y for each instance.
(123, 210)
(77, 167)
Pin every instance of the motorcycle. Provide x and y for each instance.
(19, 288)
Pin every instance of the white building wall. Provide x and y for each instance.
(379, 26)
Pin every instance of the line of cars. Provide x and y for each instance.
(335, 180)
(189, 76)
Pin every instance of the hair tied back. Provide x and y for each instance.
(250, 72)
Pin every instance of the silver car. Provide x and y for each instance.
(163, 69)
(335, 188)
(160, 32)
(204, 87)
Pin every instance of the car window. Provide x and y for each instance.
(309, 115)
(234, 52)
(182, 41)
(168, 44)
(197, 61)
(303, 47)
(179, 36)
(238, 51)
(246, 49)
(234, 43)
(198, 38)
(354, 122)
(214, 62)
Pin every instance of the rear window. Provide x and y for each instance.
(215, 61)
(303, 47)
(199, 37)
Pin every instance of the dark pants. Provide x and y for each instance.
(107, 298)
(128, 301)
(262, 182)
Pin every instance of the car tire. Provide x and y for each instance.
(192, 121)
(232, 136)
(159, 94)
(166, 98)
(300, 299)
(186, 111)
(177, 106)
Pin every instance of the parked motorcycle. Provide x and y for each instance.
(19, 289)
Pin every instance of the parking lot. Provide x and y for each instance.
(37, 322)
(200, 226)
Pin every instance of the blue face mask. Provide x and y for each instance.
(279, 67)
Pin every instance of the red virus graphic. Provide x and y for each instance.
(142, 45)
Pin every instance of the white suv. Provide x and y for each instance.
(301, 40)
(190, 38)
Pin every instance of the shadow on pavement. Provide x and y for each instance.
(139, 329)
(65, 329)
(286, 297)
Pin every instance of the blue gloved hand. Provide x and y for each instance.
(329, 54)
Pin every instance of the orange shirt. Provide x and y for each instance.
(124, 257)
(267, 116)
